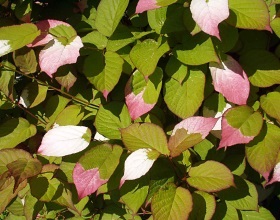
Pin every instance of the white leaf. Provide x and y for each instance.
(136, 165)
(4, 47)
(65, 140)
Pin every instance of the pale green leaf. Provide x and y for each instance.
(210, 176)
(184, 91)
(17, 36)
(196, 50)
(15, 131)
(270, 103)
(262, 67)
(145, 55)
(249, 14)
(145, 135)
(111, 118)
(243, 195)
(171, 203)
(204, 206)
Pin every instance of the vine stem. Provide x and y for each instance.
(52, 87)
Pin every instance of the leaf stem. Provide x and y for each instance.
(88, 104)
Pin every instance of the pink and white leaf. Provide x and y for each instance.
(136, 165)
(276, 175)
(196, 124)
(64, 140)
(55, 54)
(136, 105)
(44, 27)
(87, 181)
(146, 5)
(230, 79)
(232, 136)
(208, 14)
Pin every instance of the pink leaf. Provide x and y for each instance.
(230, 80)
(44, 27)
(136, 165)
(232, 136)
(145, 5)
(65, 140)
(196, 124)
(276, 175)
(208, 14)
(86, 181)
(135, 103)
(55, 54)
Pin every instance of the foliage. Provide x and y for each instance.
(148, 109)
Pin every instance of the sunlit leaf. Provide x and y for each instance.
(65, 140)
(138, 163)
(208, 14)
(230, 80)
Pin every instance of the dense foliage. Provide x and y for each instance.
(139, 109)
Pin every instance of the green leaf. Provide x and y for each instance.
(242, 196)
(7, 78)
(64, 34)
(134, 192)
(262, 67)
(167, 19)
(225, 211)
(33, 94)
(32, 207)
(184, 91)
(105, 72)
(16, 207)
(111, 118)
(249, 14)
(263, 151)
(71, 115)
(210, 176)
(196, 50)
(95, 38)
(161, 173)
(171, 203)
(189, 23)
(245, 119)
(275, 24)
(8, 193)
(236, 164)
(109, 15)
(124, 36)
(145, 55)
(25, 60)
(106, 159)
(204, 206)
(51, 190)
(55, 104)
(261, 214)
(15, 131)
(145, 135)
(17, 36)
(270, 103)
(21, 169)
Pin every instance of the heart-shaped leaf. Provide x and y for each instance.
(65, 140)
